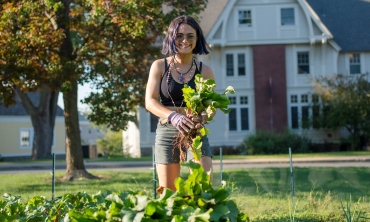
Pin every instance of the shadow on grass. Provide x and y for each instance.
(277, 180)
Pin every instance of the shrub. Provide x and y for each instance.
(268, 142)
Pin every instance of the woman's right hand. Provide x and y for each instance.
(181, 122)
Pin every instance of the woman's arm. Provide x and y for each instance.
(152, 90)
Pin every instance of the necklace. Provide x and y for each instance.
(181, 77)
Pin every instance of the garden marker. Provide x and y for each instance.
(220, 165)
(291, 174)
(154, 176)
(53, 178)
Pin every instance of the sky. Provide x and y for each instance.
(83, 91)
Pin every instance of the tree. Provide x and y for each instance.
(54, 45)
(111, 143)
(29, 62)
(345, 103)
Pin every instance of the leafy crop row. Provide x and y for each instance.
(194, 200)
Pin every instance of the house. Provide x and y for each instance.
(89, 133)
(16, 131)
(269, 50)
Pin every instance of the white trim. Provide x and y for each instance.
(262, 42)
(31, 133)
(221, 21)
(335, 45)
(312, 14)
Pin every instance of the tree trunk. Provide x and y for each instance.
(43, 120)
(74, 158)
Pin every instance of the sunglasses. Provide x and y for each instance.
(189, 38)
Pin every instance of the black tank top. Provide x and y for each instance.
(175, 88)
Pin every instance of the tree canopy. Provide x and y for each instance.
(51, 46)
(345, 102)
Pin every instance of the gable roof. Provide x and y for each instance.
(347, 20)
(211, 13)
(18, 109)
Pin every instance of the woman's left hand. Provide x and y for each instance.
(202, 119)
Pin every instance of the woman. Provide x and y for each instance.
(164, 97)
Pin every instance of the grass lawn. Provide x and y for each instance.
(264, 194)
(216, 157)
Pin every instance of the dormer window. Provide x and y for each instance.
(287, 17)
(245, 18)
(354, 63)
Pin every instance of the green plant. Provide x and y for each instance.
(292, 210)
(194, 200)
(269, 142)
(352, 214)
(202, 101)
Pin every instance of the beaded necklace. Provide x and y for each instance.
(182, 80)
(181, 77)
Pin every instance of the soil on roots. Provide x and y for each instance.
(183, 142)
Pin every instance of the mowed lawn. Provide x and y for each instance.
(264, 194)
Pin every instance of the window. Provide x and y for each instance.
(301, 113)
(287, 16)
(303, 62)
(236, 61)
(232, 120)
(245, 119)
(354, 63)
(232, 100)
(315, 112)
(294, 116)
(241, 64)
(25, 138)
(304, 98)
(315, 116)
(153, 123)
(229, 65)
(244, 100)
(305, 117)
(239, 114)
(245, 17)
(293, 99)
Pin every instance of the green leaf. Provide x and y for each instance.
(221, 194)
(142, 201)
(114, 198)
(219, 210)
(179, 184)
(199, 215)
(80, 216)
(234, 211)
(129, 215)
(197, 147)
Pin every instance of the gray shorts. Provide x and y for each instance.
(164, 148)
